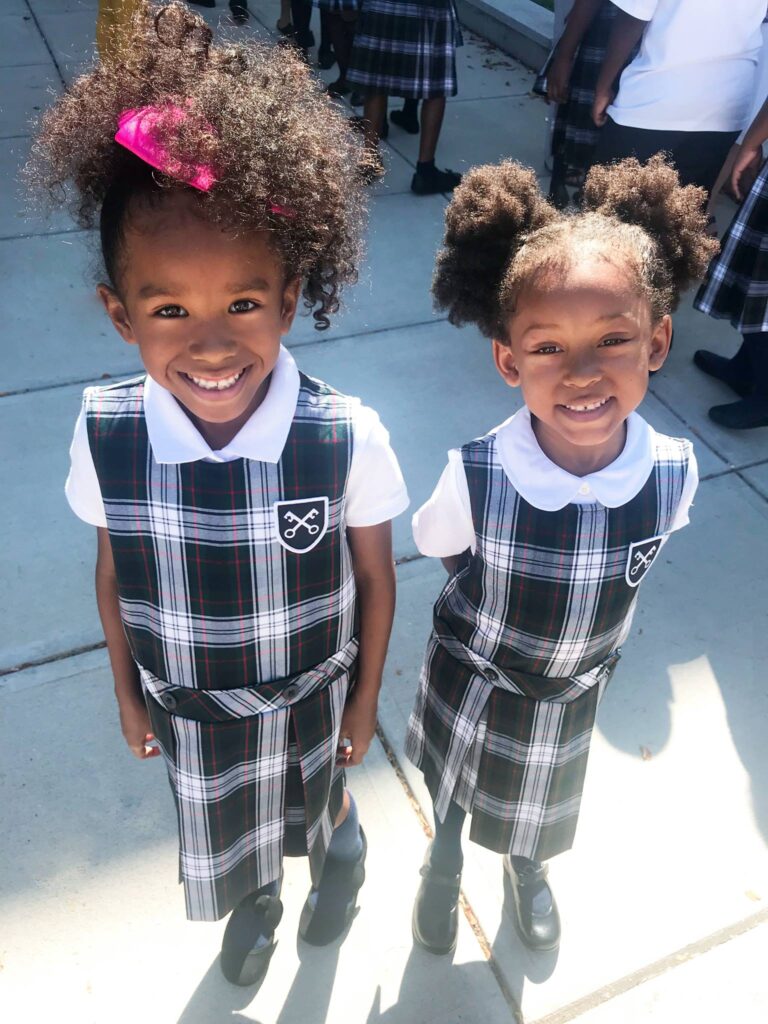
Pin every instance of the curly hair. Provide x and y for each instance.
(276, 141)
(502, 234)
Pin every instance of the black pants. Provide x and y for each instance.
(698, 156)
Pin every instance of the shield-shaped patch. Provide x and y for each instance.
(641, 557)
(301, 524)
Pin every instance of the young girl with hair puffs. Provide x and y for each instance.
(548, 523)
(244, 575)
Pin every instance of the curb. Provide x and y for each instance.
(521, 28)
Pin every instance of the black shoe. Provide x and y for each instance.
(332, 905)
(305, 39)
(535, 911)
(338, 88)
(356, 98)
(203, 3)
(435, 919)
(747, 414)
(239, 11)
(721, 369)
(242, 961)
(433, 182)
(326, 58)
(402, 120)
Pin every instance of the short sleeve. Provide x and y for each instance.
(443, 525)
(82, 486)
(376, 490)
(686, 498)
(643, 10)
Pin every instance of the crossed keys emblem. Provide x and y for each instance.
(301, 524)
(642, 555)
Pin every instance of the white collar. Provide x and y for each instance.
(174, 438)
(548, 487)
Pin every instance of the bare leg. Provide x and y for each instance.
(432, 113)
(374, 111)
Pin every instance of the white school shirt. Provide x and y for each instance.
(696, 67)
(375, 492)
(443, 525)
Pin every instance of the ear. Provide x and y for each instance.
(290, 304)
(661, 339)
(505, 362)
(116, 312)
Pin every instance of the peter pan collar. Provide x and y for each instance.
(175, 439)
(549, 488)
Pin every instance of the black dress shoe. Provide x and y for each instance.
(239, 11)
(203, 3)
(535, 911)
(747, 414)
(722, 369)
(408, 122)
(326, 58)
(435, 919)
(249, 939)
(434, 182)
(332, 905)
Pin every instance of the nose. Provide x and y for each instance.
(212, 346)
(583, 369)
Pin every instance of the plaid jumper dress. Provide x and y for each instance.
(736, 285)
(237, 597)
(525, 638)
(406, 48)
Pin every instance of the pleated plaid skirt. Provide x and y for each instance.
(736, 285)
(511, 753)
(406, 48)
(254, 777)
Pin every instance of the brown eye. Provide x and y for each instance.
(243, 306)
(171, 312)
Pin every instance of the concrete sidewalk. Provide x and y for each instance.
(664, 897)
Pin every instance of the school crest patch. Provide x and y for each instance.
(301, 524)
(641, 557)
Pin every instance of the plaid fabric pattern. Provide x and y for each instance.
(406, 48)
(575, 133)
(736, 285)
(526, 637)
(245, 648)
(339, 6)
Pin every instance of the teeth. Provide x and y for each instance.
(216, 385)
(587, 408)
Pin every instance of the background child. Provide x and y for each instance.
(548, 523)
(408, 50)
(735, 290)
(244, 577)
(571, 78)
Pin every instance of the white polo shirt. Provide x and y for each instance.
(375, 492)
(443, 525)
(696, 67)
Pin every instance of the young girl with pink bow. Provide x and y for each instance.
(244, 574)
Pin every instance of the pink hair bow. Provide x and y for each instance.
(136, 132)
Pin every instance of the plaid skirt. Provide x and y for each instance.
(406, 48)
(512, 752)
(253, 773)
(736, 285)
(339, 6)
(575, 134)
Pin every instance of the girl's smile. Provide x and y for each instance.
(207, 310)
(581, 347)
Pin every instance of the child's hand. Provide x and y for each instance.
(134, 721)
(603, 99)
(358, 725)
(558, 77)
